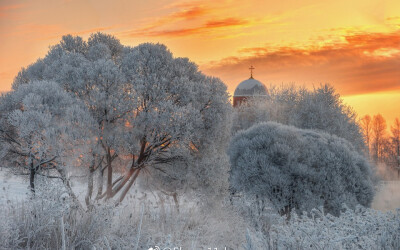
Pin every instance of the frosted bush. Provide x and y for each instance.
(259, 212)
(299, 169)
(321, 108)
(361, 228)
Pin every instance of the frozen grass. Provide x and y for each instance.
(51, 222)
(44, 221)
(354, 229)
(143, 222)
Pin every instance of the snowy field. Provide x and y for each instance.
(388, 196)
(140, 222)
(14, 188)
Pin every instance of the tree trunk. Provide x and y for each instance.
(90, 186)
(129, 186)
(122, 183)
(63, 233)
(69, 189)
(32, 173)
(100, 183)
(175, 196)
(109, 174)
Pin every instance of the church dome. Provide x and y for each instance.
(250, 87)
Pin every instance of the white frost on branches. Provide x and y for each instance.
(299, 169)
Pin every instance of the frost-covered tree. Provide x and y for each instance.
(253, 111)
(319, 109)
(395, 129)
(379, 137)
(203, 179)
(299, 169)
(179, 112)
(150, 109)
(323, 109)
(366, 126)
(41, 129)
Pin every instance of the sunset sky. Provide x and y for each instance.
(351, 44)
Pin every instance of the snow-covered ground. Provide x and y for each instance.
(12, 187)
(388, 196)
(16, 188)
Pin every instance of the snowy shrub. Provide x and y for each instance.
(258, 212)
(354, 229)
(299, 169)
(37, 224)
(251, 112)
(321, 108)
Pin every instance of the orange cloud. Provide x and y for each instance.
(11, 7)
(226, 22)
(190, 13)
(199, 17)
(6, 10)
(361, 63)
(393, 18)
(209, 25)
(187, 13)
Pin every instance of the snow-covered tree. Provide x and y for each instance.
(253, 111)
(323, 109)
(320, 109)
(366, 126)
(379, 137)
(299, 169)
(395, 129)
(179, 112)
(41, 129)
(203, 179)
(149, 107)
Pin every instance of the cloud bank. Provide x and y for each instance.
(359, 63)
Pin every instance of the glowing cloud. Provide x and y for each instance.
(362, 63)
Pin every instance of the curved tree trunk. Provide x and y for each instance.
(129, 186)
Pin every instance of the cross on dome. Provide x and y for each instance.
(251, 71)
